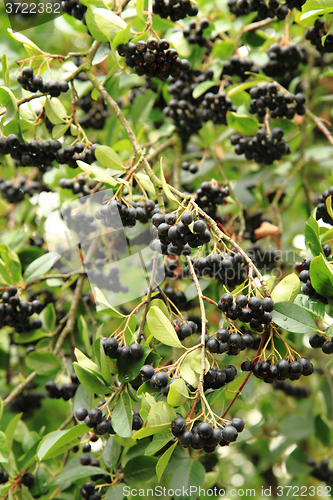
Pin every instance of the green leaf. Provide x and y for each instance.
(122, 38)
(314, 306)
(322, 430)
(92, 25)
(178, 393)
(72, 474)
(315, 8)
(48, 317)
(296, 427)
(163, 461)
(43, 363)
(293, 318)
(24, 40)
(140, 469)
(161, 328)
(188, 473)
(142, 107)
(166, 189)
(122, 416)
(84, 334)
(5, 69)
(111, 453)
(97, 173)
(312, 239)
(202, 87)
(83, 398)
(128, 372)
(40, 266)
(296, 463)
(321, 275)
(90, 381)
(10, 266)
(104, 304)
(247, 125)
(115, 492)
(53, 443)
(8, 100)
(158, 442)
(106, 373)
(139, 9)
(1, 408)
(108, 22)
(4, 450)
(240, 88)
(108, 157)
(159, 419)
(60, 130)
(191, 367)
(55, 111)
(11, 428)
(287, 289)
(102, 53)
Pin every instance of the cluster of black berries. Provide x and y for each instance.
(215, 108)
(94, 420)
(282, 370)
(16, 313)
(229, 269)
(194, 32)
(279, 104)
(283, 60)
(304, 276)
(177, 297)
(14, 190)
(74, 8)
(114, 350)
(108, 278)
(65, 392)
(175, 9)
(117, 215)
(158, 380)
(190, 167)
(3, 477)
(243, 7)
(298, 392)
(35, 83)
(185, 329)
(79, 222)
(96, 112)
(320, 341)
(70, 154)
(263, 148)
(177, 239)
(315, 35)
(33, 154)
(26, 402)
(88, 491)
(321, 470)
(230, 343)
(78, 186)
(255, 311)
(321, 212)
(204, 436)
(153, 58)
(215, 379)
(239, 66)
(208, 196)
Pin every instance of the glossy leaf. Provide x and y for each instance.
(161, 328)
(293, 318)
(43, 363)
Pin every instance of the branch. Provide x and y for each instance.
(320, 124)
(152, 281)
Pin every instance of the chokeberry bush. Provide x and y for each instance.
(166, 266)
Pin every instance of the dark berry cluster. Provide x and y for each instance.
(77, 186)
(185, 329)
(33, 154)
(315, 35)
(15, 312)
(96, 112)
(298, 392)
(158, 380)
(263, 148)
(243, 7)
(74, 8)
(282, 370)
(94, 420)
(88, 491)
(230, 343)
(116, 214)
(105, 276)
(178, 239)
(304, 276)
(177, 297)
(27, 401)
(65, 392)
(153, 58)
(229, 269)
(215, 379)
(321, 470)
(321, 212)
(255, 311)
(35, 83)
(190, 167)
(209, 195)
(280, 104)
(114, 350)
(320, 341)
(194, 32)
(261, 257)
(3, 477)
(13, 190)
(284, 60)
(175, 9)
(203, 436)
(69, 154)
(79, 222)
(215, 108)
(239, 66)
